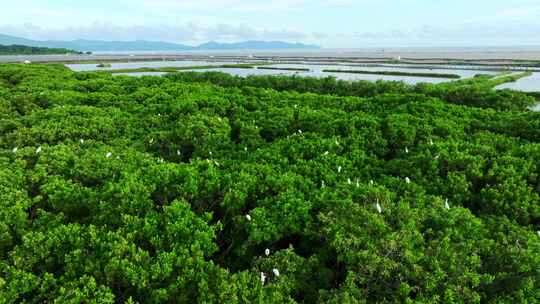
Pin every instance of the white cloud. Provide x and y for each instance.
(186, 33)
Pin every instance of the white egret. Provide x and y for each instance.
(245, 149)
(300, 131)
(263, 277)
(248, 217)
(178, 152)
(371, 182)
(38, 150)
(339, 169)
(430, 142)
(378, 206)
(151, 141)
(538, 232)
(349, 181)
(406, 150)
(267, 252)
(276, 272)
(357, 183)
(108, 155)
(15, 150)
(407, 180)
(326, 153)
(446, 205)
(82, 141)
(322, 184)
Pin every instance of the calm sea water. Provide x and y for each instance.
(527, 84)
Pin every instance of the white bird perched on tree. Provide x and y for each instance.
(538, 232)
(407, 180)
(276, 272)
(178, 152)
(248, 217)
(82, 141)
(151, 141)
(339, 169)
(38, 150)
(371, 182)
(357, 183)
(378, 206)
(322, 184)
(108, 155)
(326, 153)
(406, 150)
(267, 252)
(349, 181)
(446, 205)
(299, 131)
(245, 149)
(263, 277)
(431, 142)
(15, 150)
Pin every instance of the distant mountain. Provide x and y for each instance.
(255, 45)
(11, 40)
(143, 45)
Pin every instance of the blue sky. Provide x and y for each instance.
(330, 23)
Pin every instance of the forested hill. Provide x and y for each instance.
(117, 189)
(31, 50)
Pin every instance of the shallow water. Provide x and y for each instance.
(531, 83)
(320, 74)
(142, 64)
(320, 68)
(526, 84)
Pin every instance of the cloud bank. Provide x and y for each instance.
(186, 33)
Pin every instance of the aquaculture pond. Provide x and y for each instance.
(84, 67)
(526, 84)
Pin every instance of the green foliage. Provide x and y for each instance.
(396, 73)
(186, 188)
(475, 92)
(31, 50)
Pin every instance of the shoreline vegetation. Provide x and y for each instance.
(176, 69)
(104, 65)
(395, 73)
(16, 49)
(508, 77)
